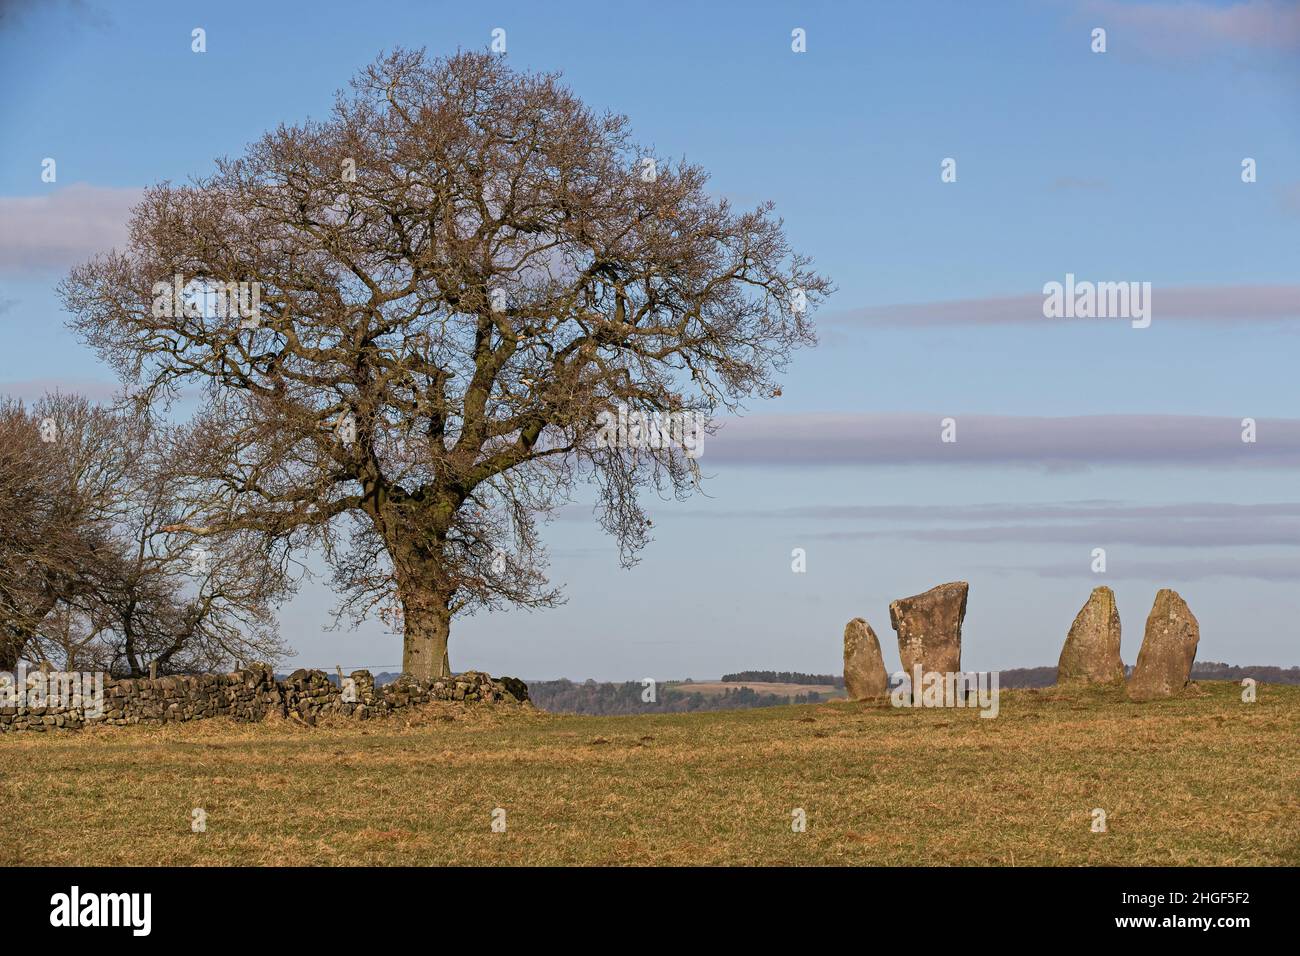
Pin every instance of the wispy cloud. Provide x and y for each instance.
(34, 388)
(1078, 526)
(1243, 303)
(1091, 509)
(1072, 443)
(1150, 533)
(1190, 569)
(50, 233)
(1202, 524)
(1188, 29)
(15, 13)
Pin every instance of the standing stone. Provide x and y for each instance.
(1091, 651)
(929, 628)
(864, 668)
(1164, 664)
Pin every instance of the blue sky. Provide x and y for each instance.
(1115, 166)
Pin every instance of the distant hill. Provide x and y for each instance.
(1201, 670)
(784, 677)
(606, 698)
(1027, 677)
(1212, 670)
(609, 699)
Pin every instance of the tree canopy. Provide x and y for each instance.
(455, 273)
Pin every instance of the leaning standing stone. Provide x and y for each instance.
(864, 668)
(1091, 651)
(1164, 664)
(929, 628)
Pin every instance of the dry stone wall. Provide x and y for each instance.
(250, 695)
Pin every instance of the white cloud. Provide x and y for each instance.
(1197, 28)
(1063, 443)
(1259, 303)
(34, 388)
(51, 233)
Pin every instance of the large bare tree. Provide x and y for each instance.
(458, 272)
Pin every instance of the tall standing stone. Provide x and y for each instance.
(929, 628)
(1164, 664)
(1091, 651)
(864, 667)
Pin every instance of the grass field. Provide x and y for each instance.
(1204, 780)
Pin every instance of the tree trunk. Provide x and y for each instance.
(16, 632)
(11, 648)
(427, 625)
(414, 543)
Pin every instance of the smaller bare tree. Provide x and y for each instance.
(94, 574)
(61, 466)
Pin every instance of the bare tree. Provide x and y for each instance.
(457, 273)
(180, 601)
(90, 575)
(61, 464)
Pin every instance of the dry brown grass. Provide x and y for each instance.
(1203, 780)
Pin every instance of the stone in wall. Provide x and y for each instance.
(250, 694)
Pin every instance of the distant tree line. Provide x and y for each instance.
(598, 698)
(1027, 677)
(784, 677)
(1214, 670)
(1023, 677)
(611, 699)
